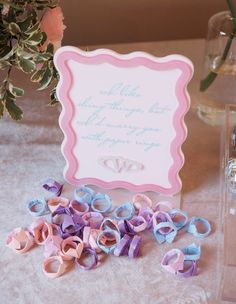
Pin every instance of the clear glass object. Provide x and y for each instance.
(227, 291)
(220, 59)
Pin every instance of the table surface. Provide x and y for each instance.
(30, 152)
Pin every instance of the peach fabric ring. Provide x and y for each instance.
(142, 201)
(47, 267)
(55, 202)
(41, 231)
(19, 240)
(72, 247)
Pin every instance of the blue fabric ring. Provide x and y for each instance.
(179, 225)
(103, 198)
(191, 252)
(169, 237)
(84, 195)
(193, 229)
(128, 208)
(40, 206)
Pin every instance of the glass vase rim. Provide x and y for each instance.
(225, 13)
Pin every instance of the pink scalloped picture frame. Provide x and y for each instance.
(123, 118)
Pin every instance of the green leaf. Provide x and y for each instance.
(24, 54)
(14, 28)
(37, 76)
(9, 95)
(4, 64)
(46, 80)
(44, 38)
(32, 48)
(13, 110)
(25, 24)
(33, 29)
(50, 48)
(42, 57)
(53, 96)
(28, 66)
(6, 53)
(43, 2)
(35, 39)
(17, 92)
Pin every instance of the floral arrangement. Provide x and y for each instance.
(30, 33)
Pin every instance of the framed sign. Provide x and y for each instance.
(123, 118)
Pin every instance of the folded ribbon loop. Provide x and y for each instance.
(53, 186)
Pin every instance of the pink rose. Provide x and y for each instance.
(5, 9)
(52, 25)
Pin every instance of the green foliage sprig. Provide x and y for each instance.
(21, 41)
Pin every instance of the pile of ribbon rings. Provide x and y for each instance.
(83, 228)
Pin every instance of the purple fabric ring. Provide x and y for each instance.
(78, 220)
(122, 246)
(134, 249)
(56, 219)
(137, 223)
(94, 261)
(71, 227)
(124, 228)
(53, 186)
(191, 271)
(147, 213)
(162, 216)
(93, 219)
(64, 234)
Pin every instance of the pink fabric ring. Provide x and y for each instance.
(177, 264)
(52, 246)
(90, 238)
(19, 240)
(163, 206)
(141, 201)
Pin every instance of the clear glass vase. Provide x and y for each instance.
(218, 84)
